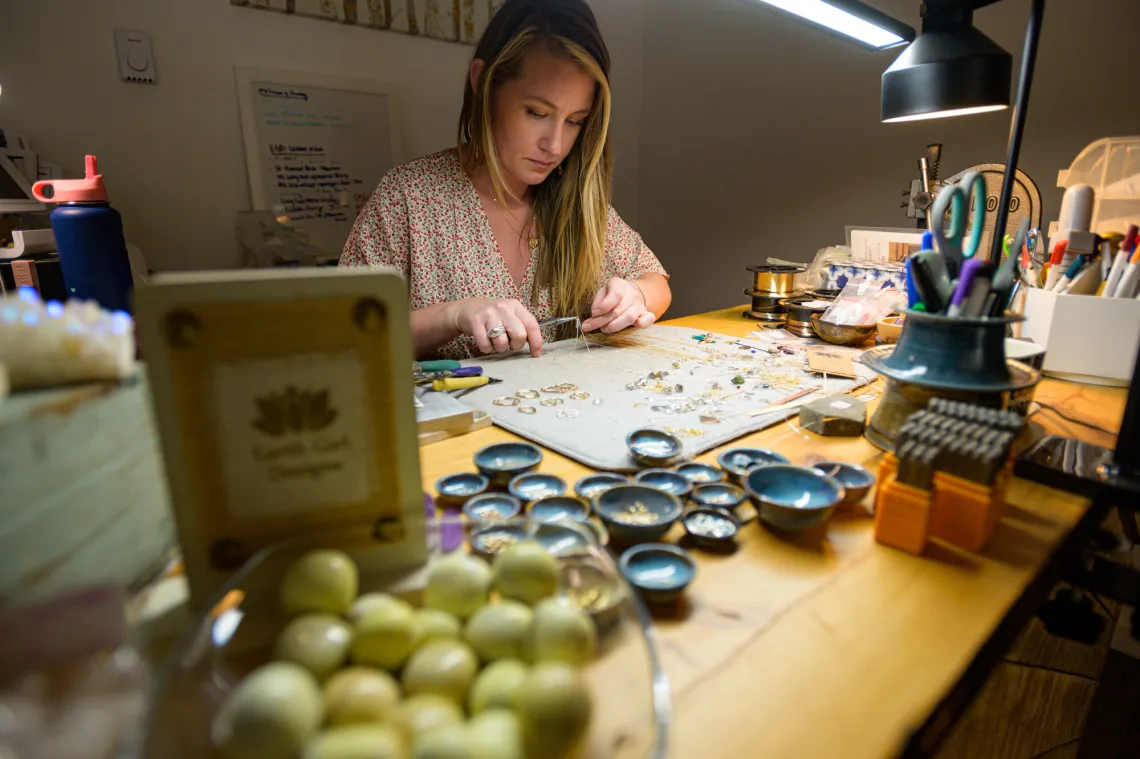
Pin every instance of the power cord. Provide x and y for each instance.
(1074, 420)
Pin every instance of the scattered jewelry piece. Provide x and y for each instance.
(552, 401)
(658, 375)
(579, 396)
(676, 364)
(528, 394)
(738, 380)
(566, 387)
(527, 410)
(706, 419)
(553, 389)
(688, 432)
(508, 400)
(568, 413)
(598, 401)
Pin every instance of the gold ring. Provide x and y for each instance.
(527, 410)
(528, 394)
(507, 400)
(552, 401)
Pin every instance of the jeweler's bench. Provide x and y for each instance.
(830, 646)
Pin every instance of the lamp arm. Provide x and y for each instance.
(1017, 125)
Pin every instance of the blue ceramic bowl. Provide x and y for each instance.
(491, 507)
(590, 486)
(559, 507)
(559, 538)
(718, 495)
(739, 461)
(455, 489)
(564, 538)
(792, 497)
(658, 571)
(654, 447)
(535, 486)
(665, 479)
(637, 513)
(700, 474)
(856, 480)
(502, 462)
(712, 527)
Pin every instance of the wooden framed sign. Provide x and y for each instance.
(284, 403)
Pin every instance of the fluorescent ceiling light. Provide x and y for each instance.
(847, 23)
(947, 114)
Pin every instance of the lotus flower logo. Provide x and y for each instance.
(293, 411)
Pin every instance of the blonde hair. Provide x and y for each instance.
(571, 207)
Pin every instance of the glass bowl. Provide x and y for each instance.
(631, 703)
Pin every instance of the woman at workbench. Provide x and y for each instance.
(515, 225)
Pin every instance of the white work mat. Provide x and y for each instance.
(620, 376)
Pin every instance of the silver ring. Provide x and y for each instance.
(498, 331)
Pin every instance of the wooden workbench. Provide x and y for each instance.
(852, 668)
(761, 667)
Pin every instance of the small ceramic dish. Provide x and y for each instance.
(711, 527)
(490, 539)
(658, 571)
(502, 462)
(890, 327)
(599, 530)
(793, 497)
(559, 507)
(491, 507)
(637, 513)
(739, 461)
(560, 539)
(456, 489)
(842, 334)
(591, 485)
(856, 480)
(665, 479)
(566, 538)
(700, 474)
(534, 486)
(718, 495)
(588, 586)
(654, 447)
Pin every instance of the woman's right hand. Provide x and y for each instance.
(478, 316)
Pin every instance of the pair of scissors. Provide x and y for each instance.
(959, 199)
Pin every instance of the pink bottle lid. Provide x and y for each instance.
(90, 189)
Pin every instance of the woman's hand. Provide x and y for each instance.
(619, 304)
(478, 316)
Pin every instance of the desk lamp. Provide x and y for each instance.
(952, 69)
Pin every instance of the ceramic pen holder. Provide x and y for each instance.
(939, 356)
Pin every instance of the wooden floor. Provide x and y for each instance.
(1055, 699)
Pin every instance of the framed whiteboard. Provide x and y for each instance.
(316, 146)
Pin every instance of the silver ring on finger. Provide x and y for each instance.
(496, 332)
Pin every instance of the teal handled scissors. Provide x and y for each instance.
(959, 199)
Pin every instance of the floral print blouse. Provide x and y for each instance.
(425, 220)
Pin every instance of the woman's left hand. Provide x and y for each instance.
(619, 304)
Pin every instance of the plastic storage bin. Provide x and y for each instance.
(1111, 166)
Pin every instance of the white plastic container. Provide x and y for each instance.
(1086, 338)
(1112, 167)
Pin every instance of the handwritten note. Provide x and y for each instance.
(323, 152)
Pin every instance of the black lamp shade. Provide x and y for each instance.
(947, 73)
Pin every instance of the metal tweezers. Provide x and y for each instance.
(579, 335)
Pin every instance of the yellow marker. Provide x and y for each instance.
(459, 383)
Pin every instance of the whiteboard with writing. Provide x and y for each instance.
(316, 147)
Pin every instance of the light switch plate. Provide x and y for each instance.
(136, 57)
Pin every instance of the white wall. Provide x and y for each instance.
(172, 153)
(761, 137)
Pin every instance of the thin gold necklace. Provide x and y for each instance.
(532, 237)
